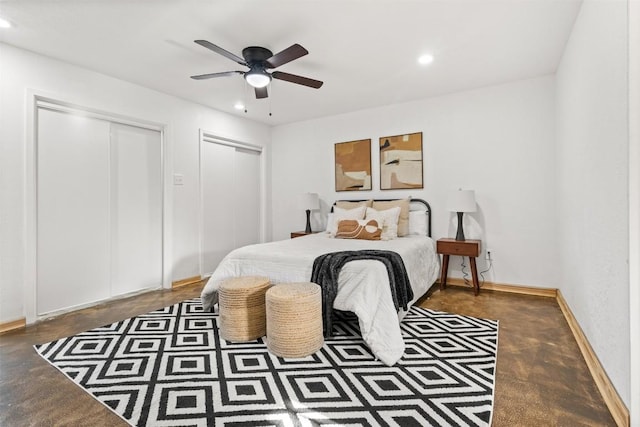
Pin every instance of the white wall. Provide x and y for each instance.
(498, 141)
(592, 137)
(22, 72)
(634, 207)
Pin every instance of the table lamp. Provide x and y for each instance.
(309, 202)
(461, 201)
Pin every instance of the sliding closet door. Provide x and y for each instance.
(99, 210)
(136, 209)
(230, 183)
(247, 197)
(217, 166)
(73, 210)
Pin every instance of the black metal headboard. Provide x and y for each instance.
(424, 204)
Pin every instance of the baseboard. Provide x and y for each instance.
(505, 287)
(12, 325)
(616, 406)
(185, 282)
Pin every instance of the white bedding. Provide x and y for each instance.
(363, 285)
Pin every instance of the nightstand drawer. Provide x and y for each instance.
(457, 247)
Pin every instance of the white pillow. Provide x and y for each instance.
(339, 214)
(418, 223)
(388, 221)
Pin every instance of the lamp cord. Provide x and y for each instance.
(465, 274)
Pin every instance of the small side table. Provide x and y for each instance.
(295, 234)
(470, 248)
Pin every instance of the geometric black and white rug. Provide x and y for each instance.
(170, 368)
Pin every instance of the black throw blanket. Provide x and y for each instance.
(326, 269)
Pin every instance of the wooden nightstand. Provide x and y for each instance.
(295, 234)
(470, 248)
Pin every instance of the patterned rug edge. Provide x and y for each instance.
(495, 374)
(84, 390)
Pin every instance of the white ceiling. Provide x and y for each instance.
(365, 51)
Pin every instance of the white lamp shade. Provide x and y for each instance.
(309, 201)
(462, 201)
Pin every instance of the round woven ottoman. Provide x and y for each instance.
(294, 319)
(241, 302)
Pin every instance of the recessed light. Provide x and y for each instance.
(238, 106)
(425, 59)
(4, 23)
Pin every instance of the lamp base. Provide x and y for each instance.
(308, 229)
(460, 233)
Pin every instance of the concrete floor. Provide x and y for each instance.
(541, 379)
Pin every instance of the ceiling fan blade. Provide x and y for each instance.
(261, 92)
(294, 51)
(305, 81)
(221, 51)
(212, 75)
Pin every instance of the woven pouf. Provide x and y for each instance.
(241, 302)
(294, 319)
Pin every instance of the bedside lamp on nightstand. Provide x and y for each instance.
(461, 201)
(309, 202)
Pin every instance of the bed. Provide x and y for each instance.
(363, 285)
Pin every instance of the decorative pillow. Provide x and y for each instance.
(403, 222)
(345, 204)
(339, 214)
(358, 229)
(387, 220)
(418, 223)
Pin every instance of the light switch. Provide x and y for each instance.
(178, 179)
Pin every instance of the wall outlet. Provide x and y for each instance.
(488, 255)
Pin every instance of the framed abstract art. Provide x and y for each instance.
(401, 161)
(353, 165)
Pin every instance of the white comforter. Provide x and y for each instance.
(363, 285)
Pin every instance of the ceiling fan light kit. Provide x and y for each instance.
(258, 60)
(257, 78)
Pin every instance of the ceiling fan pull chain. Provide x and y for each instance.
(246, 89)
(270, 98)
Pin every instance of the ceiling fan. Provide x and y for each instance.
(259, 60)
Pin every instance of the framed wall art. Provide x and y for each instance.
(401, 161)
(353, 165)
